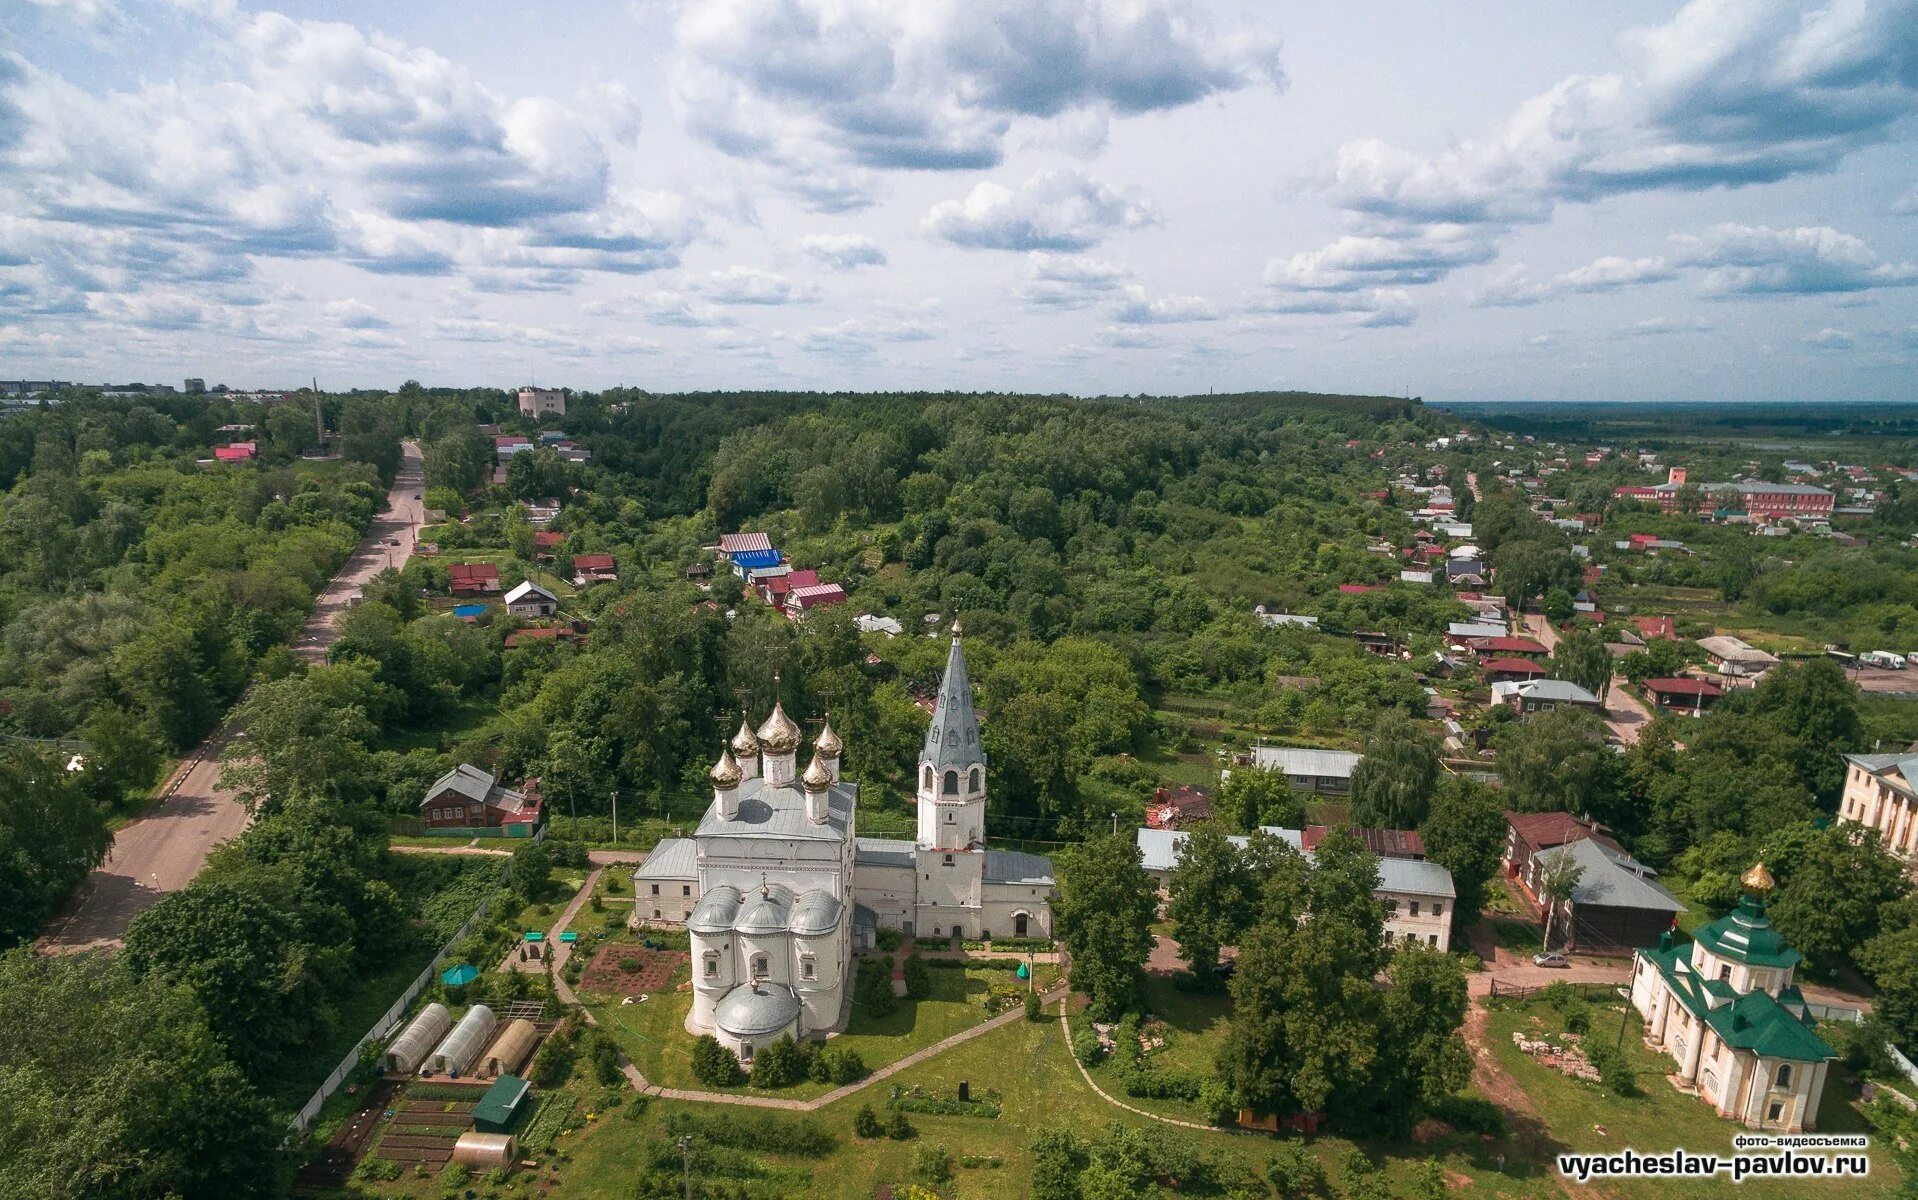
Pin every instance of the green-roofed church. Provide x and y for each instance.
(1726, 1010)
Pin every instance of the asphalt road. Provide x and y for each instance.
(166, 847)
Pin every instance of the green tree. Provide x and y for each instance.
(1558, 877)
(1558, 761)
(1818, 706)
(112, 1086)
(1465, 834)
(532, 870)
(1392, 785)
(1250, 798)
(1103, 911)
(1581, 658)
(1832, 883)
(51, 835)
(1211, 897)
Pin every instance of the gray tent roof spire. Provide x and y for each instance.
(953, 740)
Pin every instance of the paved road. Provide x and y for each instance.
(164, 849)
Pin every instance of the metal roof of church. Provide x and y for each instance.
(766, 811)
(952, 742)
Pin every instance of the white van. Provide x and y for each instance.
(1884, 660)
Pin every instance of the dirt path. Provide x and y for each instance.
(166, 847)
(1528, 1137)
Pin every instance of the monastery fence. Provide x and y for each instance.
(1523, 991)
(1904, 1065)
(390, 1020)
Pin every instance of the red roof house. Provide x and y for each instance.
(1683, 693)
(802, 600)
(1501, 646)
(237, 452)
(1172, 808)
(1498, 670)
(473, 578)
(1359, 589)
(593, 568)
(1656, 627)
(1382, 843)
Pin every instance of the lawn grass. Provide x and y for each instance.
(1587, 1117)
(653, 1034)
(1040, 1088)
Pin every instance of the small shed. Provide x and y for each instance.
(500, 1107)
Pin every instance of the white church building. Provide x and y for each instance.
(775, 887)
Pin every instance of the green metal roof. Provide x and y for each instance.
(1746, 935)
(1758, 1023)
(501, 1101)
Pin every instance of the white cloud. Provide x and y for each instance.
(1829, 339)
(863, 336)
(843, 251)
(1612, 272)
(1053, 210)
(1137, 309)
(1068, 280)
(749, 285)
(824, 92)
(1748, 260)
(1727, 93)
(1351, 263)
(1661, 326)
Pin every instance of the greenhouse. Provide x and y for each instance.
(409, 1049)
(457, 1052)
(509, 1050)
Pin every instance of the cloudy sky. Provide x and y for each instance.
(1464, 200)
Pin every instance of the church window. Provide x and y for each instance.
(759, 966)
(655, 912)
(685, 889)
(745, 1052)
(952, 783)
(974, 782)
(1776, 1112)
(712, 963)
(925, 779)
(949, 860)
(1725, 972)
(655, 889)
(1784, 1075)
(806, 970)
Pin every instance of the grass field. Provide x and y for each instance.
(653, 1034)
(1586, 1117)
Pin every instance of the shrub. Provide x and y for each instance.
(1086, 1048)
(604, 1056)
(714, 1065)
(1578, 1020)
(918, 983)
(1471, 1114)
(872, 988)
(1295, 1173)
(898, 1128)
(747, 1130)
(1614, 1069)
(1035, 1011)
(553, 1065)
(781, 1064)
(843, 1066)
(865, 1125)
(1215, 1098)
(931, 1165)
(888, 940)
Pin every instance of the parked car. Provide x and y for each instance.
(1551, 958)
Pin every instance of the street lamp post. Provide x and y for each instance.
(686, 1161)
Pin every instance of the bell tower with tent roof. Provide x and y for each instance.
(951, 836)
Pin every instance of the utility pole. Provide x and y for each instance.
(1115, 824)
(686, 1161)
(615, 816)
